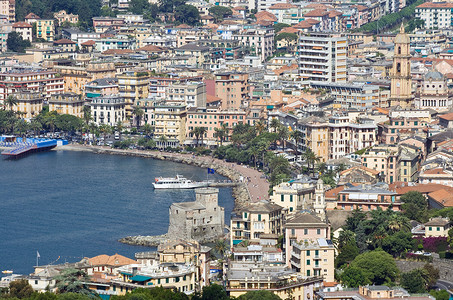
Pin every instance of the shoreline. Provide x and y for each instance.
(241, 193)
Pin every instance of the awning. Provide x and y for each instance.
(140, 278)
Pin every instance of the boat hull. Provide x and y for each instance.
(192, 185)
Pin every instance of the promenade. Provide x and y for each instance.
(258, 187)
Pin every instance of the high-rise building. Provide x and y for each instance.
(232, 88)
(401, 84)
(322, 57)
(133, 85)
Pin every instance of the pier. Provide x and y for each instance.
(19, 147)
(224, 184)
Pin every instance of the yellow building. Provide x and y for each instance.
(294, 195)
(437, 227)
(316, 132)
(70, 104)
(45, 29)
(76, 77)
(133, 85)
(246, 277)
(256, 219)
(28, 103)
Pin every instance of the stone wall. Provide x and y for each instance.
(445, 267)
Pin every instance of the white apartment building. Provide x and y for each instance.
(108, 110)
(351, 96)
(437, 15)
(322, 57)
(121, 42)
(190, 94)
(260, 41)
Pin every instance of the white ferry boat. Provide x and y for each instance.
(178, 182)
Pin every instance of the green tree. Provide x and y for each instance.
(16, 43)
(297, 137)
(414, 205)
(288, 37)
(71, 280)
(311, 158)
(10, 102)
(279, 26)
(377, 266)
(148, 130)
(354, 277)
(87, 114)
(259, 295)
(221, 246)
(214, 292)
(20, 289)
(413, 281)
(220, 12)
(105, 130)
(187, 14)
(348, 253)
(138, 114)
(139, 6)
(440, 295)
(398, 243)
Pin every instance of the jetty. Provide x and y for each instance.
(18, 147)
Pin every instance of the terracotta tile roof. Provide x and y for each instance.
(282, 6)
(316, 6)
(239, 8)
(368, 170)
(113, 260)
(436, 171)
(381, 110)
(285, 68)
(264, 22)
(289, 30)
(360, 7)
(334, 13)
(89, 43)
(22, 25)
(208, 17)
(316, 13)
(32, 16)
(211, 98)
(448, 117)
(64, 41)
(183, 26)
(443, 196)
(402, 187)
(265, 15)
(312, 21)
(117, 51)
(437, 222)
(333, 193)
(151, 48)
(308, 23)
(435, 5)
(228, 22)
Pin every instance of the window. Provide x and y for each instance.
(293, 231)
(259, 217)
(167, 280)
(430, 229)
(308, 252)
(438, 228)
(290, 198)
(308, 262)
(282, 197)
(316, 252)
(308, 272)
(318, 231)
(305, 231)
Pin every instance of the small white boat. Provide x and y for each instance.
(178, 182)
(7, 272)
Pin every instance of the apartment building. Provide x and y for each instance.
(28, 103)
(350, 133)
(45, 29)
(400, 127)
(169, 124)
(304, 227)
(436, 15)
(256, 219)
(322, 57)
(294, 195)
(108, 109)
(384, 159)
(101, 24)
(315, 133)
(314, 258)
(190, 94)
(62, 16)
(16, 80)
(285, 12)
(24, 29)
(133, 85)
(159, 85)
(232, 88)
(8, 8)
(368, 197)
(3, 41)
(70, 103)
(259, 41)
(119, 42)
(351, 96)
(102, 87)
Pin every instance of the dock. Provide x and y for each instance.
(224, 184)
(19, 147)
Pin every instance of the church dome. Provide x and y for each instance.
(434, 75)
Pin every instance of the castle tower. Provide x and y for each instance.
(320, 203)
(401, 84)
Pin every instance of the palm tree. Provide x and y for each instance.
(220, 134)
(311, 159)
(138, 113)
(148, 130)
(283, 134)
(275, 124)
(398, 222)
(221, 247)
(10, 101)
(36, 126)
(199, 132)
(163, 141)
(202, 132)
(297, 136)
(87, 114)
(105, 129)
(260, 126)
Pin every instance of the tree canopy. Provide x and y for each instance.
(414, 205)
(220, 12)
(187, 14)
(16, 43)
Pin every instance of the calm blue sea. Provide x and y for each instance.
(74, 204)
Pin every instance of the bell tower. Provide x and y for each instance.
(320, 204)
(401, 84)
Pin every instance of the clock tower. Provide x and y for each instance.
(401, 84)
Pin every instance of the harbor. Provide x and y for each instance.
(18, 147)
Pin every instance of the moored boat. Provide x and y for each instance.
(178, 182)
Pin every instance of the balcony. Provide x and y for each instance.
(295, 254)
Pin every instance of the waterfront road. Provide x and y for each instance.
(444, 285)
(257, 185)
